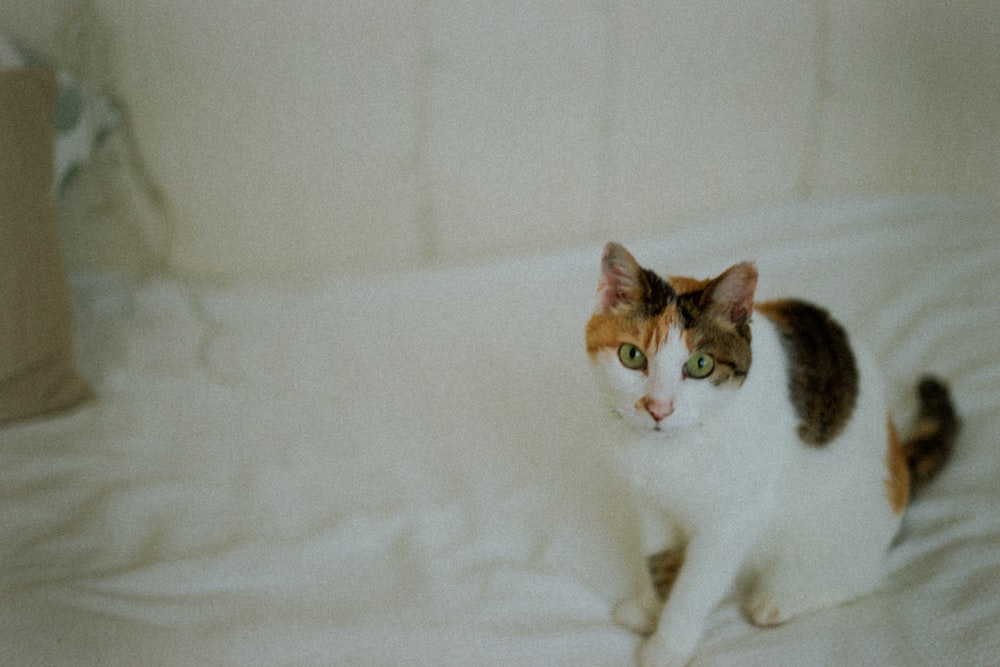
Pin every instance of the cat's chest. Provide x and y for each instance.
(701, 477)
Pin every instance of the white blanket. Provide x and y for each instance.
(409, 469)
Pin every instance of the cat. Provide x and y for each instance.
(764, 464)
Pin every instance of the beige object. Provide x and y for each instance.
(36, 319)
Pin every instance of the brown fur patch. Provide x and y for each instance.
(663, 568)
(897, 484)
(729, 344)
(823, 376)
(933, 436)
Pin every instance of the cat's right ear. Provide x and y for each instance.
(622, 279)
(731, 294)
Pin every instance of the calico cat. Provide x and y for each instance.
(764, 464)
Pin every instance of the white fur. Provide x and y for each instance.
(792, 527)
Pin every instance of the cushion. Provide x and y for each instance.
(83, 116)
(37, 374)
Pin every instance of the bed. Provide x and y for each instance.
(410, 468)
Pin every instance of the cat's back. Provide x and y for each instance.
(834, 392)
(821, 368)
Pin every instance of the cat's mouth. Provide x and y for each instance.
(667, 427)
(643, 425)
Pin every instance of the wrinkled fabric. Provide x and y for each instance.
(411, 469)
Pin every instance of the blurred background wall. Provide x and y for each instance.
(318, 136)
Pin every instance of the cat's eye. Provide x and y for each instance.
(631, 357)
(699, 366)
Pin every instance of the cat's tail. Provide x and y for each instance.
(932, 438)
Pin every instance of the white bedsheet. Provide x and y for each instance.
(408, 470)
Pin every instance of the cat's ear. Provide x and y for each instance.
(731, 294)
(622, 279)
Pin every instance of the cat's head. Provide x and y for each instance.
(669, 352)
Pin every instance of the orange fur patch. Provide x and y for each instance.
(661, 326)
(609, 330)
(606, 330)
(683, 285)
(897, 484)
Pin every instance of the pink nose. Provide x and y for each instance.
(657, 409)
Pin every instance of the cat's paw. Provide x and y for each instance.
(655, 652)
(765, 612)
(637, 614)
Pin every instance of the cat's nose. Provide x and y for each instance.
(658, 410)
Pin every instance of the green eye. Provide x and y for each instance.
(631, 356)
(699, 366)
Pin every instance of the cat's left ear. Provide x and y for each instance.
(622, 279)
(731, 294)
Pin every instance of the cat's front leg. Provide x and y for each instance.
(640, 611)
(711, 562)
